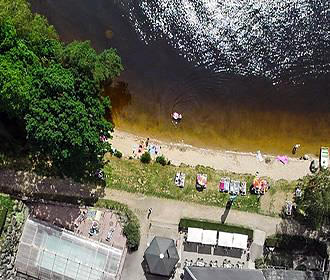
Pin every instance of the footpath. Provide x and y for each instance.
(171, 211)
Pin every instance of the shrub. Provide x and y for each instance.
(161, 160)
(145, 158)
(132, 232)
(117, 154)
(260, 263)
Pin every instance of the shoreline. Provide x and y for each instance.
(239, 162)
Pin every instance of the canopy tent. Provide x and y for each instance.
(240, 241)
(161, 256)
(209, 237)
(225, 239)
(195, 235)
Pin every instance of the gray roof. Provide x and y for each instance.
(280, 274)
(161, 256)
(210, 273)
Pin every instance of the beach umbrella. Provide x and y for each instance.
(161, 256)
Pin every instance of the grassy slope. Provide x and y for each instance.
(156, 180)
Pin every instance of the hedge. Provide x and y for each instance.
(131, 224)
(204, 224)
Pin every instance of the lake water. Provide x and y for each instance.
(246, 75)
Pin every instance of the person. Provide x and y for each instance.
(147, 142)
(149, 212)
(295, 148)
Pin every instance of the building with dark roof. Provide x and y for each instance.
(211, 273)
(161, 256)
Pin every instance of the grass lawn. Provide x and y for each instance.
(156, 180)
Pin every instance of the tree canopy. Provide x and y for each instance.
(315, 201)
(55, 90)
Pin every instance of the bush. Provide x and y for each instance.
(131, 224)
(118, 154)
(145, 158)
(260, 263)
(161, 160)
(132, 232)
(185, 223)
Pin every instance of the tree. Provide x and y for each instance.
(315, 201)
(55, 91)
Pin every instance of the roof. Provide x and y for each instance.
(47, 252)
(211, 273)
(280, 274)
(195, 235)
(161, 256)
(240, 241)
(225, 239)
(209, 237)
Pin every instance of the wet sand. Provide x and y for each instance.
(179, 153)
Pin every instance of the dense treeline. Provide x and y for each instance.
(54, 89)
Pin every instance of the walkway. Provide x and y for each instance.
(171, 211)
(167, 213)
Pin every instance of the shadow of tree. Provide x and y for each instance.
(55, 214)
(29, 184)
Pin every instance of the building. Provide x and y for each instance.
(209, 273)
(48, 252)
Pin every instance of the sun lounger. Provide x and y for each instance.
(222, 185)
(231, 187)
(288, 208)
(226, 184)
(237, 185)
(201, 181)
(243, 188)
(179, 179)
(110, 234)
(324, 157)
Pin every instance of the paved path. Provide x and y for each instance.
(168, 213)
(171, 211)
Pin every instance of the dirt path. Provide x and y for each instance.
(222, 160)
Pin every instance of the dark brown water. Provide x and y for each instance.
(221, 109)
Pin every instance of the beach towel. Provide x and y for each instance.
(283, 159)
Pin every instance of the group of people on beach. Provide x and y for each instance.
(145, 146)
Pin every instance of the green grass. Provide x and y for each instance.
(204, 224)
(156, 180)
(6, 207)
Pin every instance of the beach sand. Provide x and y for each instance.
(237, 162)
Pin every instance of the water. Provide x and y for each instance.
(246, 75)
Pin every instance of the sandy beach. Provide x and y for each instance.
(179, 153)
